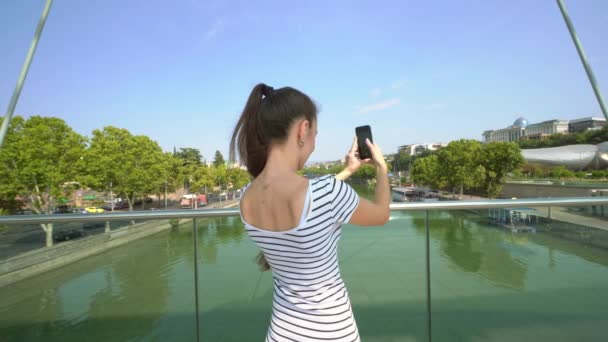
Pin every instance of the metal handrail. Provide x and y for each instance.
(203, 213)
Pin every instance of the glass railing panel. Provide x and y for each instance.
(384, 270)
(235, 298)
(514, 274)
(142, 289)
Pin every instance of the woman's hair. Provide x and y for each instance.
(266, 120)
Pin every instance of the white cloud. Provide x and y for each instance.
(435, 106)
(376, 92)
(376, 107)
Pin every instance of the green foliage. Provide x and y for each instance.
(320, 171)
(39, 156)
(599, 174)
(561, 172)
(401, 162)
(366, 171)
(427, 171)
(219, 159)
(3, 212)
(498, 160)
(135, 165)
(203, 178)
(555, 140)
(238, 177)
(189, 156)
(467, 164)
(460, 164)
(220, 175)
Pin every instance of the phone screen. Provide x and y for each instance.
(364, 132)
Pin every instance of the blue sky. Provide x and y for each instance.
(416, 71)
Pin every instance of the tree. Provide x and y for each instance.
(203, 177)
(460, 164)
(237, 177)
(498, 160)
(427, 171)
(190, 159)
(189, 156)
(219, 175)
(40, 155)
(134, 164)
(401, 162)
(173, 177)
(219, 159)
(366, 171)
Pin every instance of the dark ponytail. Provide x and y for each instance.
(265, 120)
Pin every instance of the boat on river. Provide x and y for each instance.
(414, 194)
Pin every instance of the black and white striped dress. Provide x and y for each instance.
(310, 299)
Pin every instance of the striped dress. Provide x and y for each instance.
(310, 301)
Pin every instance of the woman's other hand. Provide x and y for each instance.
(352, 160)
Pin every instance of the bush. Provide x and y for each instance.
(2, 213)
(561, 172)
(599, 174)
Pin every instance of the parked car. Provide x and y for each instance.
(67, 234)
(62, 209)
(78, 211)
(25, 212)
(94, 210)
(93, 225)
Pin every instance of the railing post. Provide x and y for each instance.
(195, 239)
(107, 231)
(26, 67)
(428, 275)
(549, 212)
(581, 55)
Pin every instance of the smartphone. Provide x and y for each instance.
(364, 132)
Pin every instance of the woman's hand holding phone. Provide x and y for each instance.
(377, 156)
(353, 161)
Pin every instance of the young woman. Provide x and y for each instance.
(295, 221)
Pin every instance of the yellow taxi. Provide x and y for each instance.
(94, 210)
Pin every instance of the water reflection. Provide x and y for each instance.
(119, 295)
(471, 246)
(214, 232)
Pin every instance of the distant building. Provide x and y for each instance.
(542, 130)
(413, 149)
(508, 134)
(522, 130)
(586, 124)
(236, 165)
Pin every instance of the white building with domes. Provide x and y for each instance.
(521, 129)
(511, 133)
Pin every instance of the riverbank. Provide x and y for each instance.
(45, 259)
